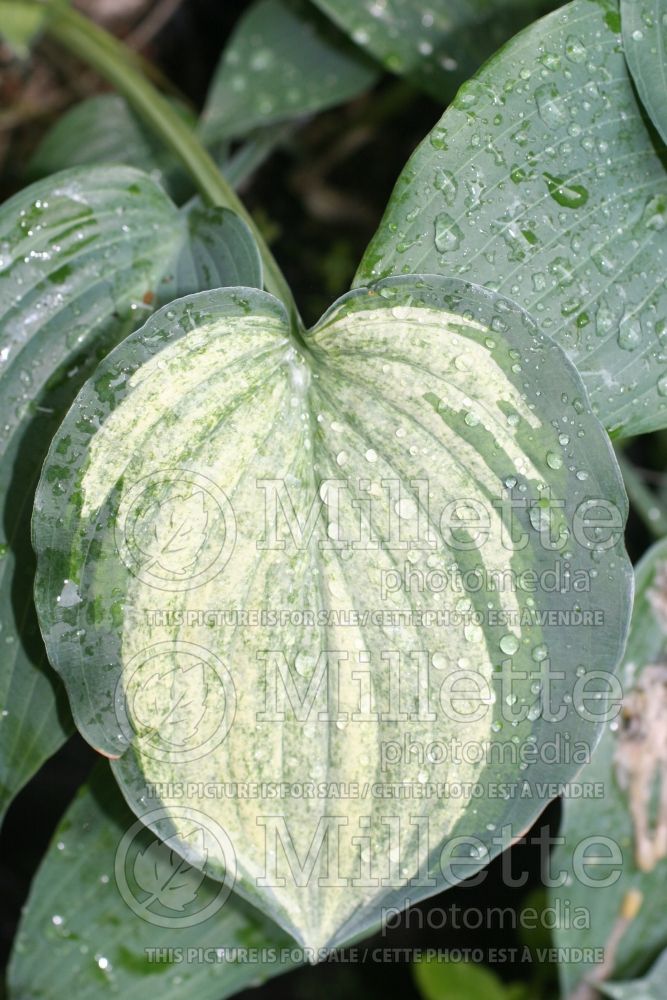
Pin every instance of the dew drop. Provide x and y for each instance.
(446, 182)
(630, 334)
(69, 596)
(534, 712)
(575, 50)
(549, 106)
(509, 644)
(448, 234)
(406, 508)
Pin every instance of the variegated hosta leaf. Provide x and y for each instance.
(269, 565)
(544, 181)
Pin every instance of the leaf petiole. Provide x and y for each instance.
(117, 64)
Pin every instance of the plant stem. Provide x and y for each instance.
(117, 64)
(642, 499)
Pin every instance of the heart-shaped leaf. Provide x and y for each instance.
(627, 908)
(543, 181)
(395, 567)
(83, 255)
(645, 45)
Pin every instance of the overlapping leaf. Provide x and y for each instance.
(102, 130)
(544, 181)
(627, 916)
(79, 937)
(649, 987)
(434, 44)
(283, 61)
(345, 578)
(645, 45)
(77, 257)
(82, 257)
(220, 252)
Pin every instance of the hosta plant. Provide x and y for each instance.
(343, 605)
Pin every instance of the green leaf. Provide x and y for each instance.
(220, 252)
(20, 23)
(167, 878)
(283, 61)
(433, 44)
(82, 256)
(627, 918)
(89, 926)
(78, 253)
(650, 987)
(543, 181)
(644, 25)
(101, 130)
(327, 462)
(457, 981)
